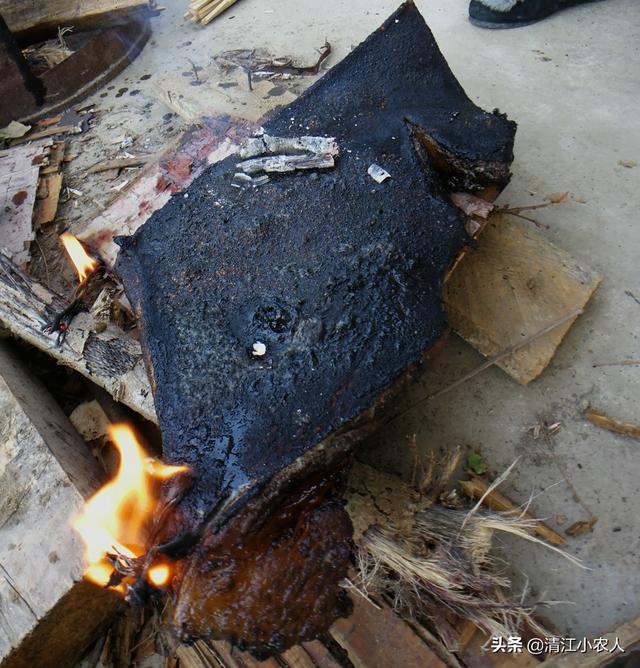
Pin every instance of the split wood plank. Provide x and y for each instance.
(111, 358)
(28, 15)
(377, 638)
(514, 284)
(46, 207)
(48, 193)
(207, 653)
(48, 615)
(319, 654)
(19, 169)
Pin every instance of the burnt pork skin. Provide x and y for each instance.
(275, 319)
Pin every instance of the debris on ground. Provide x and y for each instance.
(420, 564)
(49, 186)
(557, 198)
(601, 419)
(472, 205)
(480, 489)
(14, 130)
(260, 62)
(581, 527)
(377, 173)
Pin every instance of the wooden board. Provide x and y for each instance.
(111, 359)
(514, 284)
(46, 470)
(19, 169)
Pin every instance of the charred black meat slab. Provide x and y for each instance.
(340, 277)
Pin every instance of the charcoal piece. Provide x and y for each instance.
(339, 278)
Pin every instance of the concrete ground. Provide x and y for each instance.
(573, 85)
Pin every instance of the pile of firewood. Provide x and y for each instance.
(204, 11)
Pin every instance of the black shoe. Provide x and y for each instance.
(522, 13)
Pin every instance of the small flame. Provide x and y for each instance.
(159, 574)
(115, 520)
(83, 262)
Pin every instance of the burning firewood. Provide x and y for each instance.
(86, 267)
(338, 278)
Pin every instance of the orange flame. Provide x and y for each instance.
(114, 520)
(83, 262)
(159, 574)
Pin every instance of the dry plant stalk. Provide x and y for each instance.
(441, 563)
(444, 565)
(476, 488)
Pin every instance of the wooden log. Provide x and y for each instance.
(48, 615)
(110, 358)
(31, 20)
(515, 283)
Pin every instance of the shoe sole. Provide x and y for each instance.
(496, 25)
(491, 25)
